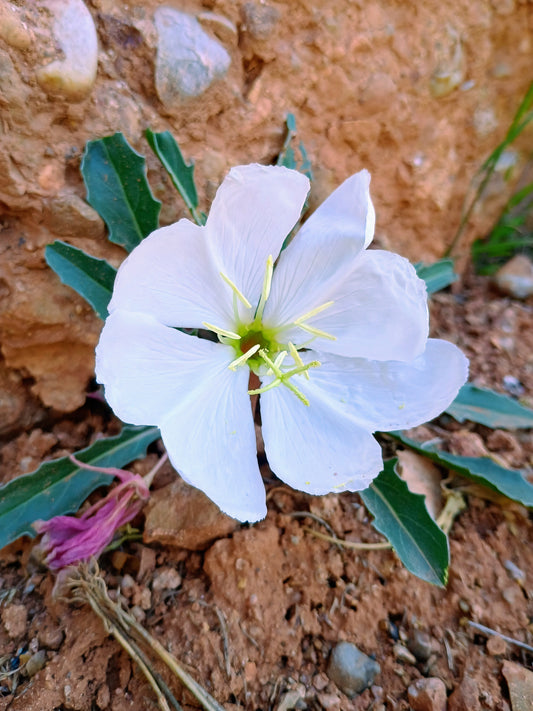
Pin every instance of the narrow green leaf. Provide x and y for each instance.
(59, 487)
(92, 278)
(287, 155)
(115, 177)
(482, 470)
(402, 517)
(437, 276)
(489, 408)
(180, 172)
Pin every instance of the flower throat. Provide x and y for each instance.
(259, 347)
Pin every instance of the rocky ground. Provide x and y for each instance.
(255, 612)
(418, 95)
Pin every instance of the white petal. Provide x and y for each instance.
(379, 310)
(210, 439)
(316, 448)
(171, 275)
(148, 368)
(322, 252)
(254, 210)
(157, 375)
(392, 395)
(347, 212)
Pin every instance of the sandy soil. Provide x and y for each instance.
(254, 614)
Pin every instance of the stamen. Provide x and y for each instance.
(222, 331)
(297, 357)
(316, 332)
(299, 394)
(236, 290)
(242, 359)
(265, 293)
(280, 358)
(314, 312)
(284, 378)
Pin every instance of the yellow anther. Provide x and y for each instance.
(297, 357)
(238, 293)
(314, 312)
(221, 331)
(280, 358)
(316, 332)
(242, 359)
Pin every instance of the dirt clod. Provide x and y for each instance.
(428, 695)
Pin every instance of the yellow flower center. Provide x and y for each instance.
(260, 348)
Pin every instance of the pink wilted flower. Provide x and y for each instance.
(67, 540)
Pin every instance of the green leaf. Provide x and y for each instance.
(402, 517)
(437, 276)
(59, 487)
(115, 176)
(482, 470)
(181, 173)
(287, 155)
(92, 278)
(489, 408)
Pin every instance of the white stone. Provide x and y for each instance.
(73, 76)
(188, 59)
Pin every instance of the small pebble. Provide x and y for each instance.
(188, 59)
(328, 701)
(166, 579)
(402, 654)
(291, 700)
(50, 636)
(35, 663)
(496, 646)
(350, 669)
(320, 681)
(15, 618)
(513, 386)
(259, 19)
(420, 645)
(73, 75)
(427, 695)
(516, 277)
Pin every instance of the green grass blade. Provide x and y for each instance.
(117, 188)
(402, 517)
(60, 487)
(521, 119)
(92, 278)
(180, 172)
(489, 408)
(482, 470)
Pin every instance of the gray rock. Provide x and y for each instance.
(72, 76)
(35, 663)
(516, 277)
(420, 645)
(188, 59)
(350, 669)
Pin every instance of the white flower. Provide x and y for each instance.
(336, 335)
